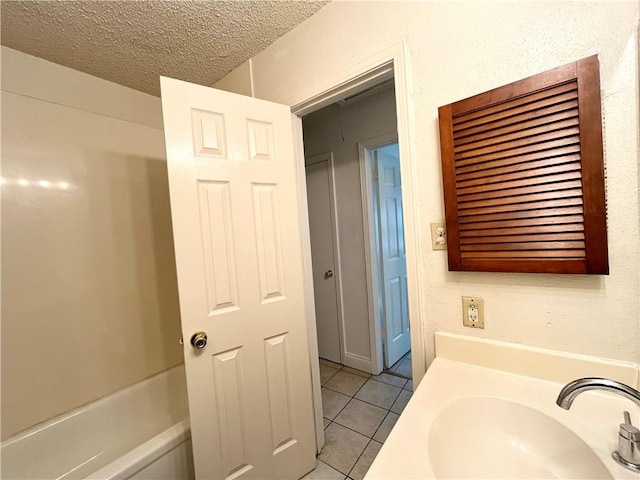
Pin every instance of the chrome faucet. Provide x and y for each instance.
(628, 453)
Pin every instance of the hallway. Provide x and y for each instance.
(359, 412)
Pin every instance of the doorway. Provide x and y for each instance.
(265, 202)
(391, 63)
(357, 234)
(382, 201)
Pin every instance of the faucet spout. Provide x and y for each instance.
(573, 389)
(628, 453)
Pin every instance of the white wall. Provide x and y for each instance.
(238, 80)
(339, 129)
(89, 293)
(458, 49)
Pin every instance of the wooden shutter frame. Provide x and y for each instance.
(586, 73)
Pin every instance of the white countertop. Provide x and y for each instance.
(594, 416)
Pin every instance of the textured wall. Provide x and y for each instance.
(459, 49)
(89, 294)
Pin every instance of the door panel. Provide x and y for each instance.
(238, 255)
(267, 228)
(229, 380)
(217, 233)
(321, 226)
(393, 269)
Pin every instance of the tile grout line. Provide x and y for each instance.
(348, 404)
(338, 391)
(355, 431)
(380, 426)
(333, 374)
(370, 376)
(353, 397)
(365, 401)
(359, 457)
(345, 406)
(336, 468)
(362, 386)
(360, 433)
(379, 406)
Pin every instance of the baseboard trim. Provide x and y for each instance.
(358, 362)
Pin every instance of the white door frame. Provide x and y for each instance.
(390, 63)
(328, 157)
(372, 266)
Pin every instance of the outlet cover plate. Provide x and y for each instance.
(438, 236)
(473, 312)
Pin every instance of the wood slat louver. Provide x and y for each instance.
(523, 174)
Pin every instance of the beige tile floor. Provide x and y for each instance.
(403, 366)
(359, 412)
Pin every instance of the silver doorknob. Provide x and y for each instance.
(199, 340)
(328, 274)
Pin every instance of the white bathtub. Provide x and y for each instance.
(140, 432)
(167, 456)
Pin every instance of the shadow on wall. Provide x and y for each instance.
(594, 283)
(136, 209)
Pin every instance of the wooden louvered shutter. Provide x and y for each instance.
(523, 175)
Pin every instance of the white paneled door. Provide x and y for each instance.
(323, 255)
(393, 268)
(238, 253)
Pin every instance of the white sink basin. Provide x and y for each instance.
(485, 437)
(465, 421)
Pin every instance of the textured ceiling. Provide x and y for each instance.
(134, 42)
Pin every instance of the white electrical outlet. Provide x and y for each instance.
(438, 236)
(473, 312)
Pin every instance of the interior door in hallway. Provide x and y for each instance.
(237, 237)
(393, 267)
(323, 255)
